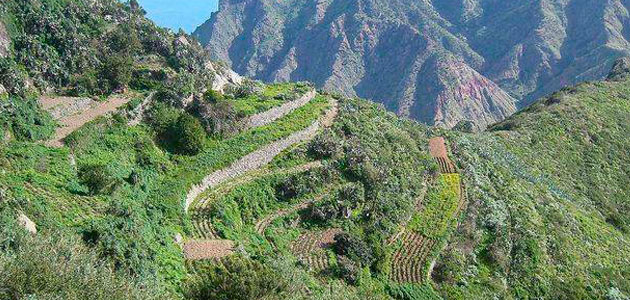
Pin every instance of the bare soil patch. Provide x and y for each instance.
(209, 249)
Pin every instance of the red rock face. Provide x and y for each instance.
(439, 62)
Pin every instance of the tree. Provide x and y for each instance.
(238, 278)
(97, 177)
(188, 135)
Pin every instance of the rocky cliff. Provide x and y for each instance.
(436, 61)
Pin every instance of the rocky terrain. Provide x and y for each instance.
(5, 41)
(436, 61)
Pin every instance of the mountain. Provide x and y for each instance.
(134, 167)
(439, 62)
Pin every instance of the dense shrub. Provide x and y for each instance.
(59, 267)
(354, 248)
(348, 269)
(238, 278)
(344, 203)
(25, 119)
(325, 145)
(187, 135)
(218, 115)
(246, 89)
(177, 131)
(97, 177)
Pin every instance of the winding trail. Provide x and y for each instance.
(410, 259)
(249, 163)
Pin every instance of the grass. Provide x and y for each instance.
(271, 96)
(551, 192)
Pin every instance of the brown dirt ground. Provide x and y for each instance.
(72, 123)
(437, 147)
(197, 250)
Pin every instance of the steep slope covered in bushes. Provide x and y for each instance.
(550, 201)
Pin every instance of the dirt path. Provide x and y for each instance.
(71, 123)
(259, 158)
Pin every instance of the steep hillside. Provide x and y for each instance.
(403, 53)
(550, 199)
(165, 186)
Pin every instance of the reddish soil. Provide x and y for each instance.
(437, 147)
(309, 248)
(409, 260)
(209, 249)
(314, 241)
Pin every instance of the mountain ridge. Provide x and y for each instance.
(374, 49)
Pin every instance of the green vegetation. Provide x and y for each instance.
(549, 196)
(52, 267)
(109, 204)
(439, 208)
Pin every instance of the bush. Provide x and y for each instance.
(354, 248)
(218, 116)
(237, 278)
(117, 71)
(188, 135)
(26, 120)
(348, 269)
(177, 131)
(59, 267)
(161, 116)
(347, 199)
(325, 145)
(97, 177)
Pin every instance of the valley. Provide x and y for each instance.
(135, 166)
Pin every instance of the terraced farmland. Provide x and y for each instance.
(411, 260)
(247, 168)
(310, 248)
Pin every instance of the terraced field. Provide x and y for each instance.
(201, 212)
(411, 259)
(310, 248)
(72, 113)
(249, 167)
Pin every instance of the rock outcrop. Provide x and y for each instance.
(440, 62)
(5, 41)
(28, 225)
(620, 70)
